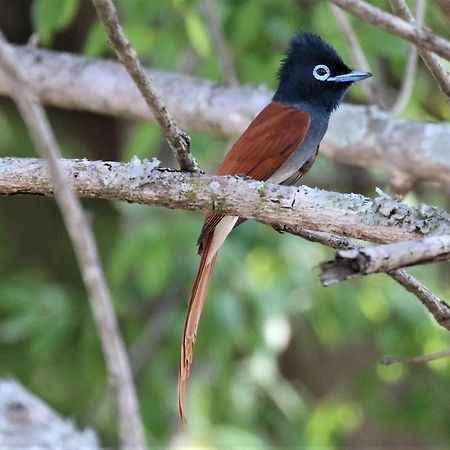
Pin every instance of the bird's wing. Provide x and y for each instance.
(264, 146)
(267, 143)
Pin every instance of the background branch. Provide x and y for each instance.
(131, 430)
(212, 16)
(417, 360)
(366, 137)
(422, 37)
(25, 419)
(432, 62)
(357, 53)
(177, 139)
(409, 77)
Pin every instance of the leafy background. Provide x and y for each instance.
(280, 360)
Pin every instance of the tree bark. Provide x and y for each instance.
(382, 219)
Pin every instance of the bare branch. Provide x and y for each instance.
(27, 422)
(382, 219)
(212, 16)
(177, 139)
(367, 137)
(417, 360)
(384, 258)
(130, 426)
(409, 77)
(437, 307)
(435, 67)
(422, 37)
(359, 58)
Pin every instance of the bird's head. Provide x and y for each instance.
(312, 71)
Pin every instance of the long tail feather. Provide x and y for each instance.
(196, 302)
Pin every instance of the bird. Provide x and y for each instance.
(280, 145)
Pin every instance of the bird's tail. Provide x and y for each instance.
(196, 301)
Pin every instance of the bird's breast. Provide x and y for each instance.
(305, 152)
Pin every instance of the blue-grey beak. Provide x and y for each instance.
(354, 75)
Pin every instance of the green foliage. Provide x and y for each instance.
(51, 16)
(280, 361)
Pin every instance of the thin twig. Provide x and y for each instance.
(131, 430)
(432, 62)
(177, 139)
(422, 37)
(389, 360)
(359, 58)
(437, 307)
(226, 62)
(409, 77)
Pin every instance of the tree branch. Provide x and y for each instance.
(382, 219)
(212, 16)
(422, 37)
(81, 235)
(309, 213)
(367, 137)
(27, 422)
(177, 139)
(357, 53)
(417, 360)
(439, 72)
(437, 307)
(409, 77)
(384, 258)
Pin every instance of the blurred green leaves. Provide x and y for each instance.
(51, 16)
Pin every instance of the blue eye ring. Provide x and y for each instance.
(321, 72)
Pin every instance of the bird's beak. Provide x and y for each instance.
(354, 75)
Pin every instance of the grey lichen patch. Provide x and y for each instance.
(189, 195)
(198, 182)
(138, 171)
(42, 184)
(214, 185)
(423, 219)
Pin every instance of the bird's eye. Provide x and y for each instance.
(321, 72)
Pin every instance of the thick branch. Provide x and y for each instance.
(422, 37)
(366, 137)
(177, 139)
(384, 258)
(382, 219)
(83, 241)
